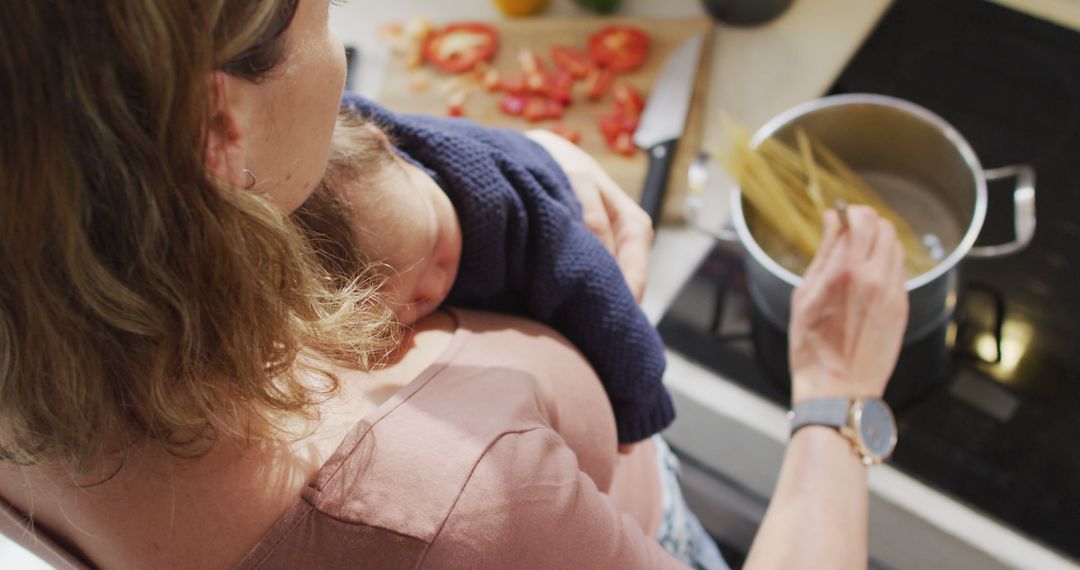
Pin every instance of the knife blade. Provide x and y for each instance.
(664, 119)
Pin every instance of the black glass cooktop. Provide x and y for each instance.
(988, 407)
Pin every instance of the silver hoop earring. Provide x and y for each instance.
(251, 181)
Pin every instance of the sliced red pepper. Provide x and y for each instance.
(512, 84)
(455, 105)
(512, 105)
(614, 124)
(619, 48)
(555, 110)
(491, 80)
(577, 63)
(610, 127)
(541, 109)
(561, 87)
(536, 73)
(624, 144)
(597, 84)
(531, 62)
(459, 47)
(627, 99)
(567, 133)
(535, 109)
(538, 84)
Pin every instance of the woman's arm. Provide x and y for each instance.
(848, 319)
(818, 514)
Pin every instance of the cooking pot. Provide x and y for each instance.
(926, 171)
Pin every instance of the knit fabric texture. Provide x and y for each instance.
(525, 250)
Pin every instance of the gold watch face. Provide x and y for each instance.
(876, 428)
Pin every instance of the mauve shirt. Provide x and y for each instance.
(501, 454)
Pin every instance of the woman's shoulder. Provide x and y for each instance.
(572, 396)
(403, 469)
(474, 441)
(535, 338)
(487, 502)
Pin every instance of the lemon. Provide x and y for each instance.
(520, 7)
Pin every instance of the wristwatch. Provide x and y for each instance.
(867, 422)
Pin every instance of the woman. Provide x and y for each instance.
(181, 386)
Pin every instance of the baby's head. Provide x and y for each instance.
(400, 218)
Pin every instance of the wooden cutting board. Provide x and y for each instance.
(539, 34)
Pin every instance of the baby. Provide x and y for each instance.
(418, 242)
(484, 218)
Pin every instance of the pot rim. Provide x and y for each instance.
(954, 136)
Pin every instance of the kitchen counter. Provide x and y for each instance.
(729, 432)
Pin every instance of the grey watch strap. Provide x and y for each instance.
(832, 412)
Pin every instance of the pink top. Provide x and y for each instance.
(500, 454)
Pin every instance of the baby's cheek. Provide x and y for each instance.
(398, 292)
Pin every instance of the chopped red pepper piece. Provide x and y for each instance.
(536, 74)
(540, 109)
(619, 48)
(567, 133)
(624, 145)
(530, 62)
(561, 87)
(618, 129)
(513, 84)
(512, 105)
(597, 84)
(459, 47)
(577, 63)
(491, 80)
(627, 99)
(455, 105)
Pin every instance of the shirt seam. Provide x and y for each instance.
(462, 337)
(281, 539)
(461, 491)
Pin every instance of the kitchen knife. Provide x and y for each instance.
(664, 119)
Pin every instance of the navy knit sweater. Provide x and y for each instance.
(525, 250)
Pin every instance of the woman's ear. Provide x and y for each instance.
(225, 143)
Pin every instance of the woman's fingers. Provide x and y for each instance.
(824, 289)
(897, 276)
(881, 253)
(594, 213)
(633, 235)
(828, 241)
(862, 223)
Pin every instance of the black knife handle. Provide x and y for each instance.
(652, 196)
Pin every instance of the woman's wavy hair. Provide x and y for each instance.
(139, 297)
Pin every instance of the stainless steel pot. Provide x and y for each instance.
(928, 172)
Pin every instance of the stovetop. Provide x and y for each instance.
(999, 425)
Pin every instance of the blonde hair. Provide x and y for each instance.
(138, 297)
(359, 152)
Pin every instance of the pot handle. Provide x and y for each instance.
(1023, 208)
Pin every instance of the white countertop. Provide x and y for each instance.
(756, 73)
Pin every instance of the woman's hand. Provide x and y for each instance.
(623, 227)
(848, 315)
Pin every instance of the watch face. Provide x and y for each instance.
(877, 429)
